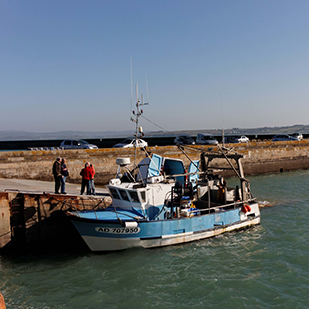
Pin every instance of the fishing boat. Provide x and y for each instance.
(157, 203)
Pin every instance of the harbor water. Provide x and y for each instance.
(261, 267)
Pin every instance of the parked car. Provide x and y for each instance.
(284, 137)
(130, 143)
(231, 139)
(184, 139)
(76, 144)
(236, 139)
(243, 139)
(299, 136)
(205, 139)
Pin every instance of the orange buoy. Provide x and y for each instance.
(245, 208)
(2, 304)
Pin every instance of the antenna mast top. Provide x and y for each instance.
(135, 116)
(137, 113)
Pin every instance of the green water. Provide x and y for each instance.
(263, 267)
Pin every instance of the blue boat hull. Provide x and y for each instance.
(107, 235)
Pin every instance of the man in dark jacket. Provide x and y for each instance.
(57, 174)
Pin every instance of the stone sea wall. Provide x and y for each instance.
(259, 158)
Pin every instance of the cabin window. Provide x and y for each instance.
(134, 196)
(123, 194)
(114, 193)
(143, 196)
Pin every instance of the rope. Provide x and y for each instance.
(155, 124)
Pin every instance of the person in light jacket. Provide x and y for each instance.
(92, 188)
(65, 174)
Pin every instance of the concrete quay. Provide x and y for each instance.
(47, 187)
(33, 218)
(259, 158)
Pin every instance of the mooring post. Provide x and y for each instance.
(39, 218)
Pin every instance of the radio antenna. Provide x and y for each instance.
(147, 93)
(131, 86)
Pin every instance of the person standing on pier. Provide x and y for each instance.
(92, 188)
(57, 174)
(86, 179)
(65, 174)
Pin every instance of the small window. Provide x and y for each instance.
(123, 194)
(134, 196)
(75, 143)
(67, 142)
(114, 193)
(143, 196)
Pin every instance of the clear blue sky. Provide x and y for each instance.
(65, 64)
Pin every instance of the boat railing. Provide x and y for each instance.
(184, 174)
(234, 205)
(94, 208)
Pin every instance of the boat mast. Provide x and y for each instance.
(135, 116)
